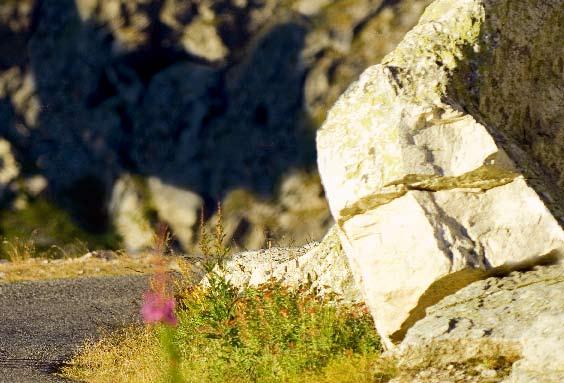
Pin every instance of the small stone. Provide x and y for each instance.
(106, 255)
(425, 374)
(36, 184)
(202, 39)
(488, 373)
(459, 375)
(20, 202)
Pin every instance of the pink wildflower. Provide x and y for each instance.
(157, 308)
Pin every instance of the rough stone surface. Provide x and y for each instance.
(297, 215)
(422, 178)
(542, 362)
(127, 212)
(9, 168)
(422, 237)
(520, 310)
(201, 39)
(320, 266)
(335, 65)
(310, 7)
(181, 95)
(177, 207)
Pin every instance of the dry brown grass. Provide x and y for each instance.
(131, 355)
(18, 249)
(33, 269)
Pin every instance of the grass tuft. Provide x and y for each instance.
(18, 249)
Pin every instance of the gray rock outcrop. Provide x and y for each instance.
(297, 215)
(128, 214)
(513, 313)
(179, 208)
(321, 267)
(422, 161)
(9, 167)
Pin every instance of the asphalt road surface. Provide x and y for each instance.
(43, 323)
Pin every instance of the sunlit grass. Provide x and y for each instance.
(266, 334)
(18, 249)
(47, 225)
(223, 334)
(34, 269)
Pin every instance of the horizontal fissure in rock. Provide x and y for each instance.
(482, 179)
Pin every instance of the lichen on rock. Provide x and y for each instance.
(516, 313)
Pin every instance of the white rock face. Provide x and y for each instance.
(515, 312)
(310, 7)
(126, 210)
(178, 207)
(420, 188)
(9, 168)
(543, 361)
(201, 39)
(322, 266)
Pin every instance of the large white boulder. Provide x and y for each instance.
(425, 177)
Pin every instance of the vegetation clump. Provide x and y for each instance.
(220, 333)
(41, 229)
(265, 334)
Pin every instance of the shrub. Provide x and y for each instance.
(219, 333)
(265, 334)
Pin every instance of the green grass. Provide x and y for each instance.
(265, 334)
(51, 229)
(259, 334)
(268, 334)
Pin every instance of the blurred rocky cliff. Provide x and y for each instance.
(118, 115)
